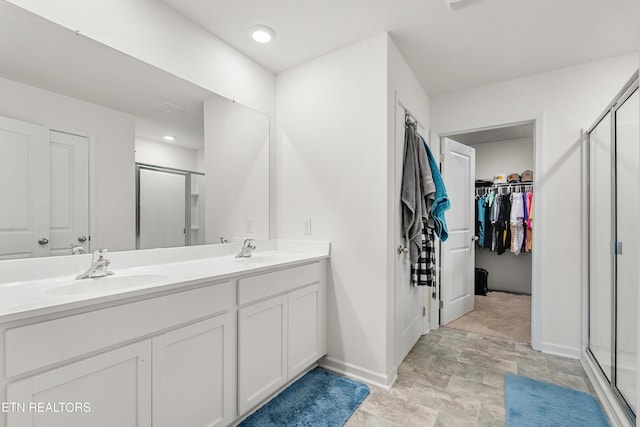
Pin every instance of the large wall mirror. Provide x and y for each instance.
(84, 156)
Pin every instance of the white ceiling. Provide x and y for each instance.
(42, 54)
(485, 42)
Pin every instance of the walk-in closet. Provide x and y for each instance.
(504, 219)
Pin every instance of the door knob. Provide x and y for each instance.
(43, 241)
(82, 239)
(474, 238)
(402, 250)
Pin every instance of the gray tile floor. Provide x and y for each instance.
(453, 378)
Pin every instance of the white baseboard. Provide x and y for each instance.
(560, 350)
(602, 388)
(360, 374)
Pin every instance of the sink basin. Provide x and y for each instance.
(106, 284)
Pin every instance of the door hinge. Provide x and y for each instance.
(441, 304)
(441, 158)
(617, 249)
(424, 311)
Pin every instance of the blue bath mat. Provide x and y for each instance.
(318, 399)
(531, 403)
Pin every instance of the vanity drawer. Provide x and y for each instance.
(266, 285)
(41, 344)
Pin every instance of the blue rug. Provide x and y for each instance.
(318, 399)
(531, 403)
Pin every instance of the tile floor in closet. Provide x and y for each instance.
(454, 378)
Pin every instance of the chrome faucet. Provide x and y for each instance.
(247, 248)
(99, 266)
(77, 250)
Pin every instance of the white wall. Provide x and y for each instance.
(335, 165)
(331, 159)
(569, 100)
(511, 156)
(167, 155)
(112, 133)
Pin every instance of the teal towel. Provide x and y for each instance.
(441, 203)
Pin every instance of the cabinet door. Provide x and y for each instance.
(110, 389)
(193, 374)
(304, 332)
(262, 350)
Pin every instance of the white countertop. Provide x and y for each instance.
(33, 287)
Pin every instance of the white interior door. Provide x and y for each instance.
(410, 303)
(69, 187)
(24, 189)
(458, 251)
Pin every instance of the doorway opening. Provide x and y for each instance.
(503, 250)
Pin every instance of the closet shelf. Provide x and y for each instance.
(506, 184)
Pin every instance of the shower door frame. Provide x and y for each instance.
(625, 93)
(187, 199)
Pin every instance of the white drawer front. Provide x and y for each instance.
(35, 346)
(259, 287)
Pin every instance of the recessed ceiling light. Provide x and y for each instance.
(169, 138)
(262, 33)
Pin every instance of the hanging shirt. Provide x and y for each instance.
(481, 206)
(517, 215)
(529, 245)
(423, 272)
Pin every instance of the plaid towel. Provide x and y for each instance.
(423, 272)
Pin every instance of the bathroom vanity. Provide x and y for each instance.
(189, 336)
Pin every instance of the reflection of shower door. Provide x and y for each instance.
(162, 208)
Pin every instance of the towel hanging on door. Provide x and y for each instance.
(417, 192)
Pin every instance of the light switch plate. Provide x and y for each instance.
(306, 226)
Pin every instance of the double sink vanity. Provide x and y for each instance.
(176, 337)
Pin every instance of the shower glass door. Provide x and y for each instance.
(162, 210)
(614, 247)
(627, 138)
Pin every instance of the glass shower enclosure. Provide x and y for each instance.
(614, 247)
(168, 207)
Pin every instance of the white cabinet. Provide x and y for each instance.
(281, 336)
(305, 329)
(110, 389)
(262, 350)
(199, 357)
(193, 374)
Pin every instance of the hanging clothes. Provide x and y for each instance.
(423, 273)
(481, 206)
(417, 191)
(504, 221)
(441, 202)
(529, 239)
(517, 215)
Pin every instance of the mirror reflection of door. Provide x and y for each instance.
(162, 208)
(69, 192)
(44, 189)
